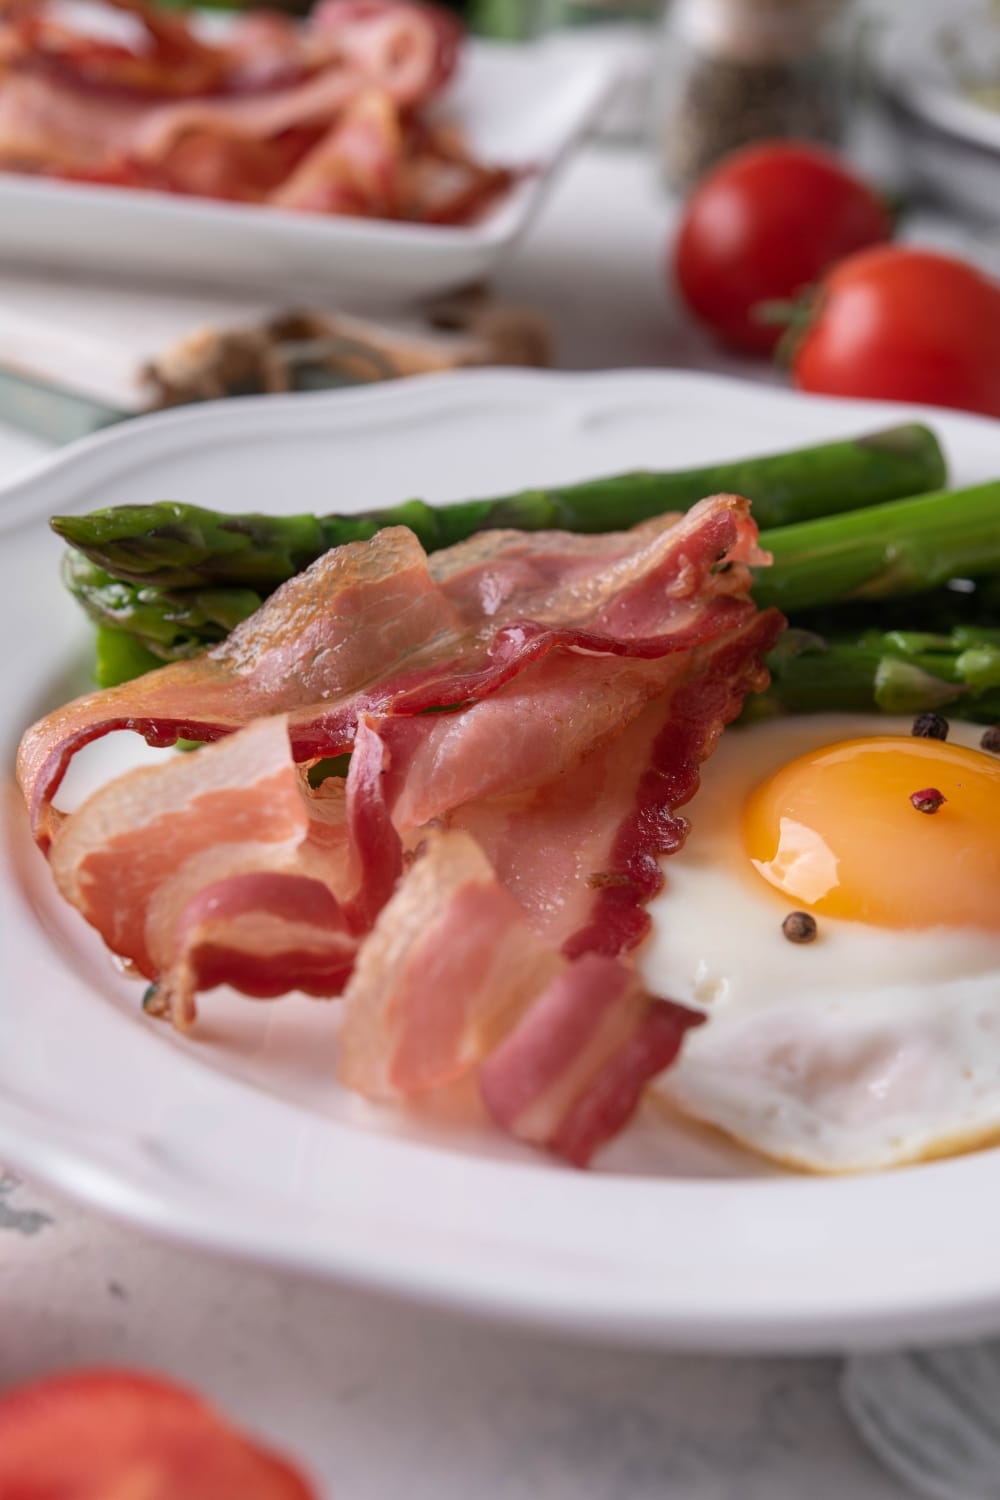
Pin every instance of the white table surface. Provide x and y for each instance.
(379, 1400)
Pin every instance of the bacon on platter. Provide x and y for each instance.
(524, 717)
(330, 116)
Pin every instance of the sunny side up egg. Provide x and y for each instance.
(879, 1042)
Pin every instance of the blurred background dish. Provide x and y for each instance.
(939, 66)
(526, 106)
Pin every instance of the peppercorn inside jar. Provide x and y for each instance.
(736, 71)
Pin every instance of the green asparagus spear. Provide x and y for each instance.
(890, 550)
(119, 657)
(176, 546)
(905, 547)
(168, 625)
(896, 673)
(961, 602)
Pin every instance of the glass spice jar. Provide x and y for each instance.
(736, 71)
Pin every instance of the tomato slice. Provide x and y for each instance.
(124, 1435)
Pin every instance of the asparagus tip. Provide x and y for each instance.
(907, 438)
(65, 526)
(116, 523)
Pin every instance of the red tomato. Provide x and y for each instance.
(764, 224)
(905, 325)
(103, 1433)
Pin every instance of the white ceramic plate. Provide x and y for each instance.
(241, 1142)
(519, 105)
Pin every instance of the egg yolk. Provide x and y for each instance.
(837, 833)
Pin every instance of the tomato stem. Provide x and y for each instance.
(796, 315)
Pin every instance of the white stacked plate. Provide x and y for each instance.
(936, 62)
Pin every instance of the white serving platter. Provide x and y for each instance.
(238, 1140)
(524, 106)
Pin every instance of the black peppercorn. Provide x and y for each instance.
(799, 927)
(930, 726)
(991, 740)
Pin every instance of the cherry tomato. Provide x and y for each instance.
(765, 223)
(96, 1434)
(904, 324)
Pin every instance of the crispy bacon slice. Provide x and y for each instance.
(570, 1074)
(46, 128)
(353, 168)
(239, 168)
(263, 933)
(414, 47)
(448, 967)
(302, 648)
(581, 852)
(324, 117)
(449, 633)
(158, 54)
(266, 48)
(451, 978)
(254, 117)
(217, 867)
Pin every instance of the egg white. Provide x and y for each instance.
(868, 1048)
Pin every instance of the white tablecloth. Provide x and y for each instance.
(381, 1401)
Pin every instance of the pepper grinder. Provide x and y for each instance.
(736, 71)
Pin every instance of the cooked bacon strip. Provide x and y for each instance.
(570, 1074)
(408, 48)
(559, 847)
(245, 116)
(620, 581)
(448, 967)
(139, 856)
(451, 979)
(425, 645)
(371, 33)
(164, 58)
(43, 127)
(322, 117)
(539, 727)
(302, 648)
(411, 48)
(578, 856)
(48, 126)
(580, 852)
(353, 168)
(375, 849)
(682, 735)
(238, 168)
(264, 934)
(570, 778)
